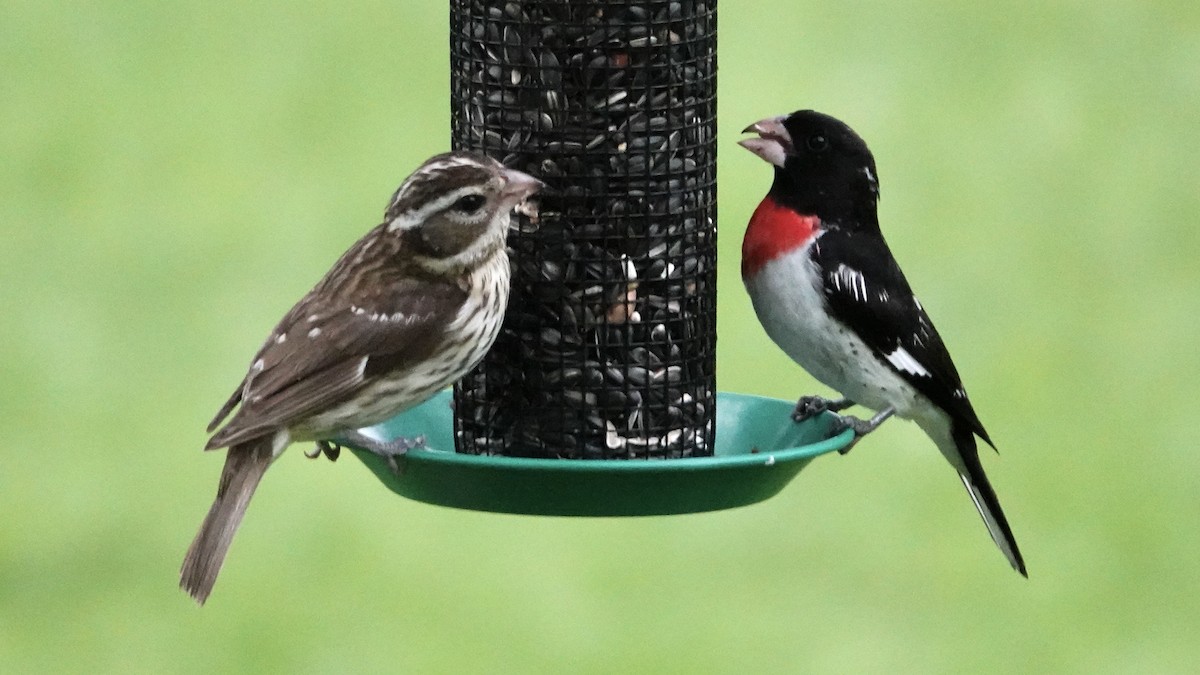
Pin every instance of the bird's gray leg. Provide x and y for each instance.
(388, 450)
(811, 406)
(861, 427)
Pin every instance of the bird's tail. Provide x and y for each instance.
(970, 471)
(245, 465)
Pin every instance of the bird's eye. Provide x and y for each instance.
(817, 142)
(468, 203)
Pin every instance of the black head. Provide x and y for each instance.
(821, 166)
(456, 207)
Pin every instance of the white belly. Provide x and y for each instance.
(790, 303)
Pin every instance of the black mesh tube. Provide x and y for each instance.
(608, 348)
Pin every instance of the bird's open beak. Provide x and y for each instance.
(518, 188)
(773, 144)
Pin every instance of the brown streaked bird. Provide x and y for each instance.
(405, 312)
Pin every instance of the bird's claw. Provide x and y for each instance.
(397, 448)
(809, 407)
(328, 448)
(860, 427)
(390, 450)
(844, 422)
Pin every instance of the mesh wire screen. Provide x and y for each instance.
(608, 347)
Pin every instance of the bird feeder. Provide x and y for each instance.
(599, 396)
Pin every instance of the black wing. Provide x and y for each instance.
(867, 291)
(328, 347)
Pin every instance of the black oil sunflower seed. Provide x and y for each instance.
(608, 345)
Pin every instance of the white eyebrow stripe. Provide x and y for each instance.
(432, 168)
(904, 362)
(411, 219)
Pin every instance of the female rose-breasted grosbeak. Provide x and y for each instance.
(828, 291)
(406, 311)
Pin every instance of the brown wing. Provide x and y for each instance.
(320, 353)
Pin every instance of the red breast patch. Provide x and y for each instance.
(773, 231)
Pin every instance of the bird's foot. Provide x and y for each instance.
(389, 450)
(327, 448)
(860, 427)
(809, 407)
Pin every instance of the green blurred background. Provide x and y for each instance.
(174, 175)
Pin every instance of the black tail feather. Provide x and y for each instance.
(984, 497)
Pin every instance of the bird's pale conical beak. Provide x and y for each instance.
(519, 185)
(773, 143)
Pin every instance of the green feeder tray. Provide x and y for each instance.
(759, 449)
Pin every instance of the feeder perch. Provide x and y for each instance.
(758, 451)
(599, 396)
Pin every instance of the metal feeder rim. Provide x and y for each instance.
(759, 450)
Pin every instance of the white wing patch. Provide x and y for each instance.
(871, 180)
(905, 363)
(850, 280)
(384, 317)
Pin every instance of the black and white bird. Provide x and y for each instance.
(828, 291)
(405, 312)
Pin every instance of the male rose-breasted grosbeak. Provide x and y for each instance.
(406, 311)
(828, 291)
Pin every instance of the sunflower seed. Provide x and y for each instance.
(607, 348)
